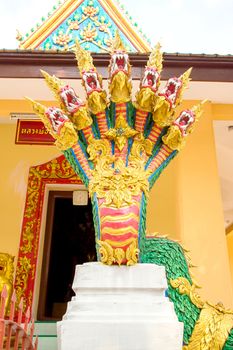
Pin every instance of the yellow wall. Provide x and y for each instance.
(230, 251)
(15, 163)
(163, 209)
(185, 203)
(202, 222)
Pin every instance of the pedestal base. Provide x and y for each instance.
(120, 308)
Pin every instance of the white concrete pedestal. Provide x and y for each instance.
(120, 308)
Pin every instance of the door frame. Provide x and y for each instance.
(56, 174)
(44, 275)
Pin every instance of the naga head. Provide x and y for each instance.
(119, 70)
(169, 98)
(59, 125)
(172, 90)
(56, 118)
(182, 126)
(151, 78)
(96, 96)
(185, 121)
(119, 63)
(69, 99)
(92, 81)
(146, 96)
(175, 87)
(69, 102)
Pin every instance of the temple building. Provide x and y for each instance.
(46, 218)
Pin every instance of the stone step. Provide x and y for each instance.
(46, 328)
(47, 335)
(48, 342)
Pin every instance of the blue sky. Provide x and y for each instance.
(186, 26)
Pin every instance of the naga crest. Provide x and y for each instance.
(119, 147)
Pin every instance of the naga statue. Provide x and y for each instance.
(119, 148)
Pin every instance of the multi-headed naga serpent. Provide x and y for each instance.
(119, 148)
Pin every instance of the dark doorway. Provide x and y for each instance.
(69, 240)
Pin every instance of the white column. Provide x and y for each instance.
(120, 308)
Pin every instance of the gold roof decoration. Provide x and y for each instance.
(84, 59)
(156, 58)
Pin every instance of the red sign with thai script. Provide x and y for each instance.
(32, 132)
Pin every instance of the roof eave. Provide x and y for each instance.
(27, 64)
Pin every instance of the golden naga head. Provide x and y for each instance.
(151, 78)
(120, 85)
(69, 102)
(64, 94)
(146, 96)
(58, 124)
(169, 98)
(175, 137)
(92, 81)
(175, 87)
(119, 57)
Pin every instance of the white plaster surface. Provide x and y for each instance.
(120, 308)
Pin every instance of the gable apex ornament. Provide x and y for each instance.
(93, 23)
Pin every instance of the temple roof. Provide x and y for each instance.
(92, 22)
